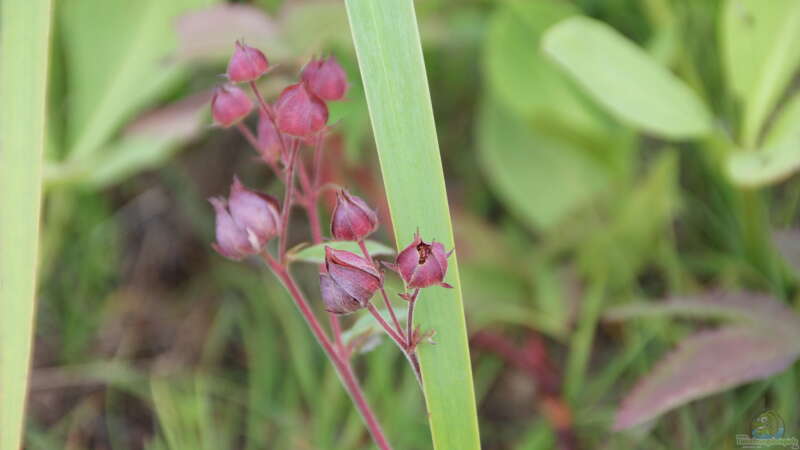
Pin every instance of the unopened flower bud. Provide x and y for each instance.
(352, 219)
(268, 139)
(246, 64)
(229, 105)
(325, 78)
(423, 264)
(299, 112)
(245, 222)
(349, 281)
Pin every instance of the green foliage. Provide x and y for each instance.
(542, 179)
(25, 46)
(393, 73)
(761, 56)
(625, 80)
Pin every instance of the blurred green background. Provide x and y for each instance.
(569, 198)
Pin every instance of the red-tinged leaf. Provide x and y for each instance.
(759, 311)
(705, 364)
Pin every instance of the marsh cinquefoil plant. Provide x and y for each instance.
(248, 220)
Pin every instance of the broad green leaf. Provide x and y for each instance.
(519, 76)
(25, 45)
(540, 178)
(704, 364)
(626, 80)
(767, 166)
(316, 253)
(119, 55)
(389, 54)
(780, 156)
(760, 52)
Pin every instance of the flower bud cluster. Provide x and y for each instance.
(300, 110)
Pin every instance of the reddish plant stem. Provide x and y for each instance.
(287, 203)
(310, 205)
(410, 319)
(317, 169)
(341, 364)
(392, 334)
(254, 143)
(271, 115)
(398, 327)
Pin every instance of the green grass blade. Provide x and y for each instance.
(24, 46)
(393, 71)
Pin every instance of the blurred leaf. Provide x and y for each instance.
(209, 34)
(786, 122)
(316, 253)
(25, 36)
(540, 178)
(657, 193)
(117, 55)
(517, 73)
(757, 310)
(770, 165)
(705, 364)
(309, 24)
(624, 79)
(145, 143)
(780, 156)
(760, 51)
(365, 334)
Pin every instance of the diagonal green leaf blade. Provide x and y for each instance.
(626, 80)
(390, 59)
(24, 44)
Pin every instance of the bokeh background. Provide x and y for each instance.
(148, 339)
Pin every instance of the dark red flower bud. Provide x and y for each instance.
(268, 139)
(349, 281)
(245, 222)
(352, 219)
(423, 264)
(246, 64)
(325, 78)
(299, 112)
(229, 105)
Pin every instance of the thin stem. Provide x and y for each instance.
(392, 334)
(389, 306)
(248, 134)
(287, 204)
(410, 319)
(339, 362)
(270, 114)
(318, 161)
